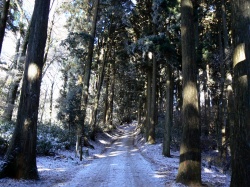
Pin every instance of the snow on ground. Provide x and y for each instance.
(56, 170)
(168, 167)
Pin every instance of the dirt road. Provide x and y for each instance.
(121, 166)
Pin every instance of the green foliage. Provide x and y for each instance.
(12, 20)
(6, 130)
(76, 43)
(70, 96)
(152, 43)
(44, 147)
(50, 138)
(3, 146)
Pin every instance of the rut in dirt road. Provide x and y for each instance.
(121, 166)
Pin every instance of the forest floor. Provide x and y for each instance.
(122, 159)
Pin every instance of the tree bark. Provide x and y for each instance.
(207, 101)
(169, 113)
(51, 102)
(152, 118)
(42, 105)
(221, 103)
(103, 58)
(139, 111)
(189, 172)
(97, 97)
(111, 97)
(148, 96)
(226, 126)
(240, 146)
(3, 21)
(105, 111)
(20, 159)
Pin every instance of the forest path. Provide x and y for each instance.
(121, 166)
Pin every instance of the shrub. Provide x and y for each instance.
(44, 147)
(50, 138)
(3, 146)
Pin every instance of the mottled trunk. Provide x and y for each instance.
(3, 21)
(240, 146)
(20, 159)
(169, 112)
(189, 172)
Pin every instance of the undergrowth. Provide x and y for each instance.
(50, 138)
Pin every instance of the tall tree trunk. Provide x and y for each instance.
(189, 172)
(169, 112)
(145, 108)
(13, 87)
(3, 21)
(230, 112)
(103, 59)
(21, 57)
(227, 97)
(139, 111)
(111, 96)
(152, 122)
(20, 159)
(51, 103)
(11, 97)
(48, 44)
(149, 97)
(97, 98)
(207, 102)
(223, 51)
(221, 102)
(17, 65)
(179, 99)
(84, 101)
(241, 65)
(105, 110)
(42, 108)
